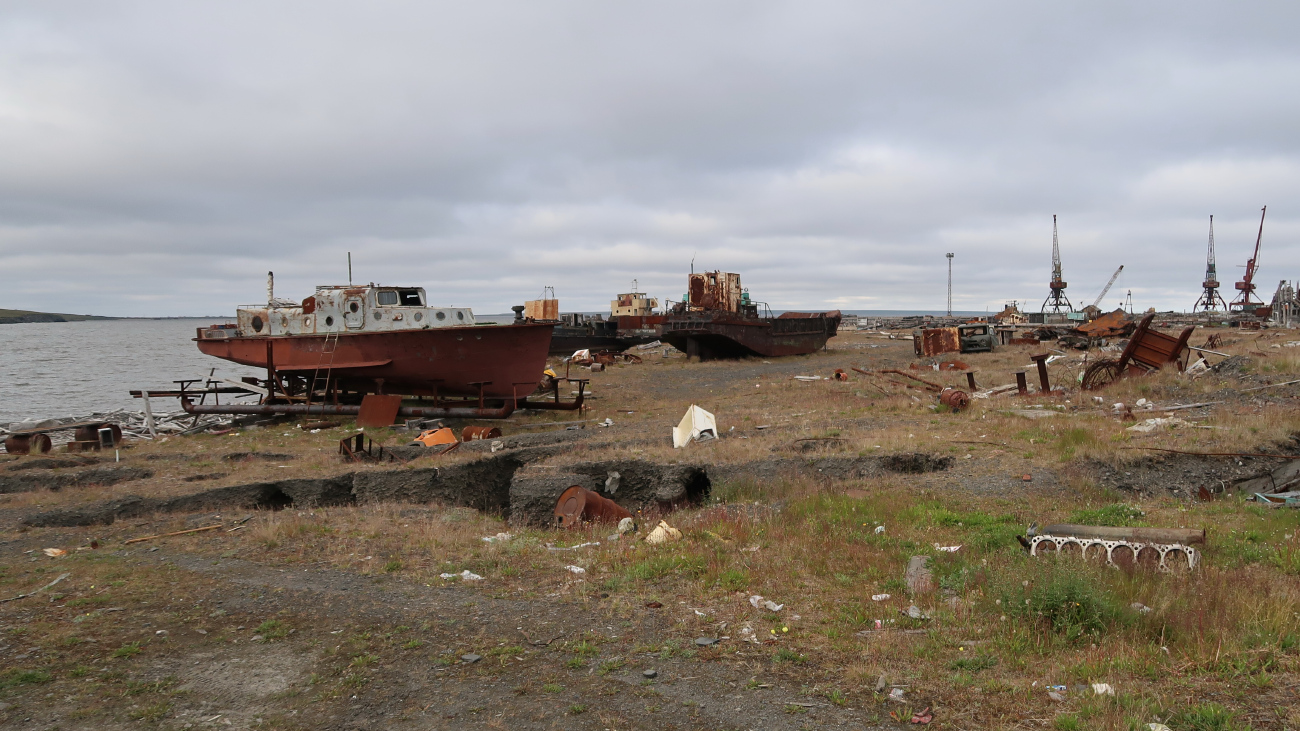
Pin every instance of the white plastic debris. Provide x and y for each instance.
(757, 602)
(696, 425)
(626, 525)
(879, 597)
(880, 529)
(663, 533)
(915, 613)
(896, 695)
(1102, 689)
(1150, 425)
(1140, 608)
(1157, 727)
(54, 552)
(467, 575)
(498, 537)
(575, 569)
(612, 481)
(947, 549)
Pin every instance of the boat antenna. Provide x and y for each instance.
(692, 263)
(349, 267)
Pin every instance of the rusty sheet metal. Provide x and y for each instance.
(1111, 325)
(1149, 350)
(378, 410)
(715, 290)
(542, 309)
(936, 341)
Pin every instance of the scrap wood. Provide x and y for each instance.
(173, 533)
(38, 591)
(1217, 454)
(1271, 385)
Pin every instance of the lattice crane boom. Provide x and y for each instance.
(1109, 284)
(1246, 286)
(1210, 299)
(1056, 300)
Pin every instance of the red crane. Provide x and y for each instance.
(1246, 286)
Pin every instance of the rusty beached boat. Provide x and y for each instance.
(717, 319)
(355, 340)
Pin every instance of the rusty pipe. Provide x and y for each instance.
(346, 410)
(1021, 387)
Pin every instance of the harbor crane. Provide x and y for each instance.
(1210, 300)
(1057, 300)
(1246, 286)
(1096, 303)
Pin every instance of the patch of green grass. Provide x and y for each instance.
(577, 709)
(837, 697)
(413, 644)
(14, 676)
(732, 580)
(1207, 717)
(272, 629)
(1062, 596)
(130, 649)
(608, 666)
(152, 713)
(973, 664)
(392, 567)
(553, 688)
(575, 663)
(364, 660)
(658, 567)
(1067, 722)
(1116, 515)
(505, 651)
(787, 655)
(585, 649)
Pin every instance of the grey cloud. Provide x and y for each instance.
(160, 158)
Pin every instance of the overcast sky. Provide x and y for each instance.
(159, 158)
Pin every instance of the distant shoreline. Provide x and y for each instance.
(23, 317)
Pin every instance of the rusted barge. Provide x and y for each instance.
(718, 320)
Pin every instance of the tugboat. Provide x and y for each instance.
(717, 319)
(376, 339)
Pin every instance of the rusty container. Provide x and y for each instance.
(90, 433)
(470, 433)
(935, 341)
(578, 504)
(28, 443)
(955, 399)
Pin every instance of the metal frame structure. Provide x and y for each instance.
(1056, 300)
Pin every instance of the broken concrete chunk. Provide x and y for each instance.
(918, 576)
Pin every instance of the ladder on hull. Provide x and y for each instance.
(329, 347)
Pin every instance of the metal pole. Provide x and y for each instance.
(949, 255)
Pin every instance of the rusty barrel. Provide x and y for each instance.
(28, 443)
(956, 400)
(470, 433)
(840, 375)
(90, 433)
(578, 504)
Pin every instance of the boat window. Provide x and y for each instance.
(410, 297)
(354, 306)
(387, 297)
(442, 315)
(460, 315)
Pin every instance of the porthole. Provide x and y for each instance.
(460, 315)
(329, 322)
(354, 307)
(306, 322)
(257, 324)
(442, 315)
(419, 316)
(379, 315)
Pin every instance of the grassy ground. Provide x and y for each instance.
(1215, 648)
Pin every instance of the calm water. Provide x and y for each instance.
(60, 369)
(57, 369)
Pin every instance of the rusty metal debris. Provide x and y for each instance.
(1147, 350)
(470, 433)
(360, 448)
(578, 504)
(954, 399)
(378, 410)
(28, 443)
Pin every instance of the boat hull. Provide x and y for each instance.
(507, 360)
(719, 335)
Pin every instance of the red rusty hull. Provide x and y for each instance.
(442, 361)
